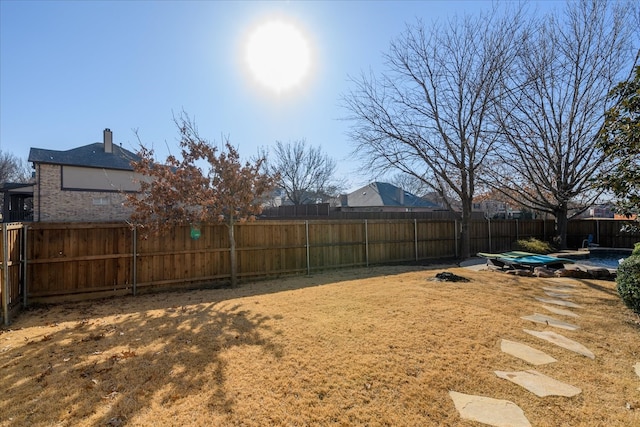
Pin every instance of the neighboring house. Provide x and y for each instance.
(17, 202)
(385, 197)
(598, 211)
(83, 184)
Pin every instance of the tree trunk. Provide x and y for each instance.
(232, 255)
(465, 230)
(561, 225)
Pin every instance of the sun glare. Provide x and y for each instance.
(278, 55)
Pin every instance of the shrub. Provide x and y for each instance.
(628, 282)
(534, 245)
(636, 249)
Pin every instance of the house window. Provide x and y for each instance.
(100, 201)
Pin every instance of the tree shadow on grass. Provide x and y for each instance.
(106, 362)
(600, 288)
(96, 372)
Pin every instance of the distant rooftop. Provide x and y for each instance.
(385, 194)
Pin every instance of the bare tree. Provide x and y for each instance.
(306, 174)
(410, 183)
(12, 168)
(428, 115)
(551, 118)
(179, 191)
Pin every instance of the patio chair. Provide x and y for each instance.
(588, 242)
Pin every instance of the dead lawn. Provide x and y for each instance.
(379, 346)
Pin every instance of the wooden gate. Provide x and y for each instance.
(12, 262)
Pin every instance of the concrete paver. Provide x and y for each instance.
(563, 289)
(563, 342)
(551, 321)
(539, 384)
(560, 311)
(526, 353)
(494, 412)
(559, 302)
(558, 295)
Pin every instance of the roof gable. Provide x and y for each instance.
(385, 194)
(92, 155)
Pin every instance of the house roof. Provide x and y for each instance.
(17, 187)
(92, 155)
(385, 194)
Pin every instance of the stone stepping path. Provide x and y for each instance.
(495, 412)
(559, 302)
(539, 384)
(563, 342)
(503, 413)
(526, 353)
(560, 311)
(551, 321)
(558, 295)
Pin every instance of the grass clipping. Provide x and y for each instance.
(379, 346)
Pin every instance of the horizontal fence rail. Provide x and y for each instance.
(45, 260)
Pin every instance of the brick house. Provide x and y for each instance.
(83, 184)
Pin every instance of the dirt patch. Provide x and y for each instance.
(379, 346)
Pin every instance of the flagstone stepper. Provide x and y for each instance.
(551, 321)
(560, 311)
(494, 412)
(539, 384)
(563, 342)
(559, 302)
(558, 295)
(526, 353)
(559, 289)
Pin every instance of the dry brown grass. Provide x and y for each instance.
(379, 346)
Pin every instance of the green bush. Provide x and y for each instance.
(636, 249)
(534, 245)
(628, 282)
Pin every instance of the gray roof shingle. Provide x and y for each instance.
(385, 194)
(91, 155)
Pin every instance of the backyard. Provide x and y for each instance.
(371, 346)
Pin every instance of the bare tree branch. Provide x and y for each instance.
(550, 119)
(305, 173)
(429, 115)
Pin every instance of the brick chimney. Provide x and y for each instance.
(108, 140)
(400, 196)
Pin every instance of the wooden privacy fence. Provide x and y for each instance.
(45, 260)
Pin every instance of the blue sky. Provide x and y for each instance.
(69, 69)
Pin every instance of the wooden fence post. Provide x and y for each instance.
(306, 230)
(134, 261)
(455, 236)
(366, 241)
(5, 274)
(415, 234)
(24, 265)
